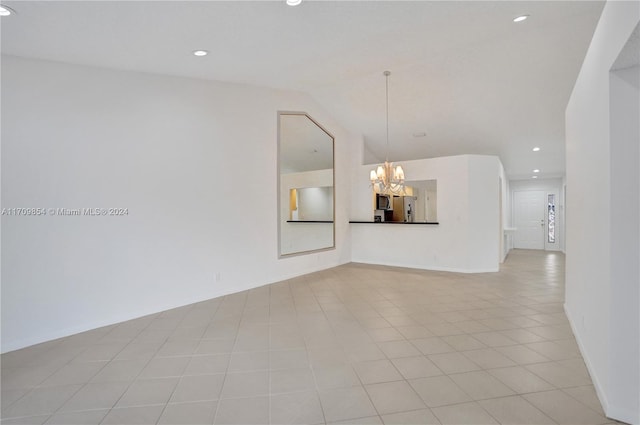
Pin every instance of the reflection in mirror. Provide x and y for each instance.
(418, 203)
(306, 198)
(311, 204)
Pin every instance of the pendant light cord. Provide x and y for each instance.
(386, 74)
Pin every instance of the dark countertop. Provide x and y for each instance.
(309, 221)
(394, 222)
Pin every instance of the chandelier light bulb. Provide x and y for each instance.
(5, 11)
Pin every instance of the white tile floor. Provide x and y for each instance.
(355, 344)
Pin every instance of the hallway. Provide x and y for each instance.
(354, 344)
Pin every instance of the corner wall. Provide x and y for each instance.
(602, 304)
(193, 161)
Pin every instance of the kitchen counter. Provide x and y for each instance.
(394, 222)
(309, 221)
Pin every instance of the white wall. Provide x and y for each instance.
(430, 198)
(483, 213)
(467, 238)
(625, 238)
(506, 237)
(164, 148)
(624, 382)
(564, 214)
(315, 203)
(548, 186)
(602, 322)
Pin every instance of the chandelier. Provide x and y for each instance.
(386, 178)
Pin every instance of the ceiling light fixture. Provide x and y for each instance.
(536, 171)
(536, 149)
(293, 2)
(520, 18)
(200, 53)
(386, 178)
(6, 11)
(534, 177)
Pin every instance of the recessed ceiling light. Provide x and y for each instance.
(6, 11)
(536, 149)
(534, 177)
(536, 171)
(293, 2)
(200, 53)
(520, 18)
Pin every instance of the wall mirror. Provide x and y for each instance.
(305, 185)
(417, 203)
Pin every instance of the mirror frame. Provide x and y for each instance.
(279, 183)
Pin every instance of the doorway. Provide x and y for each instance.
(529, 219)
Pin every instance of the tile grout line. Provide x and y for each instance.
(235, 341)
(141, 370)
(340, 304)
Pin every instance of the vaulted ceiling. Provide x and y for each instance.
(464, 77)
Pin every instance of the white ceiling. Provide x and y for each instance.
(630, 54)
(462, 72)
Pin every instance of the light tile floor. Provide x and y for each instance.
(355, 344)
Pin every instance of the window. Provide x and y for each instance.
(551, 218)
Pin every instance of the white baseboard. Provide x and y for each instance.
(594, 378)
(428, 267)
(8, 346)
(610, 411)
(622, 415)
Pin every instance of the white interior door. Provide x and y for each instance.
(529, 209)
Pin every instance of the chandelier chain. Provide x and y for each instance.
(386, 178)
(386, 76)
